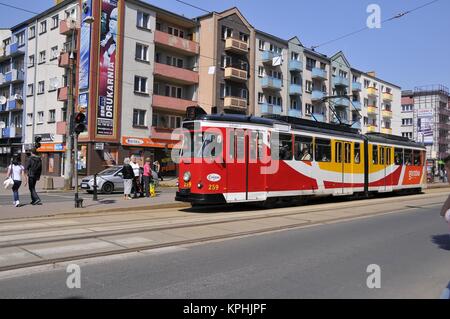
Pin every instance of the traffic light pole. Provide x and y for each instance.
(78, 201)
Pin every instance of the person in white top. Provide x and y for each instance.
(137, 177)
(17, 172)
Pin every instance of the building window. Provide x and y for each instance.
(143, 20)
(41, 87)
(173, 61)
(141, 52)
(244, 93)
(20, 38)
(294, 104)
(64, 114)
(51, 116)
(166, 121)
(30, 89)
(174, 91)
(40, 118)
(275, 49)
(42, 57)
(407, 122)
(310, 64)
(29, 118)
(139, 118)
(140, 84)
(226, 32)
(243, 37)
(176, 32)
(260, 97)
(31, 32)
(260, 71)
(262, 45)
(54, 53)
(308, 109)
(43, 27)
(55, 22)
(31, 61)
(71, 13)
(295, 56)
(308, 86)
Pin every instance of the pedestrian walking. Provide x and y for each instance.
(128, 177)
(157, 168)
(137, 177)
(34, 170)
(17, 173)
(147, 176)
(445, 210)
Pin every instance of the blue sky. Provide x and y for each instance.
(411, 51)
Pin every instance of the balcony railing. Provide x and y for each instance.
(340, 81)
(270, 109)
(271, 83)
(235, 102)
(14, 105)
(340, 101)
(181, 75)
(63, 94)
(318, 73)
(371, 109)
(11, 132)
(236, 74)
(64, 60)
(386, 113)
(295, 113)
(170, 41)
(371, 91)
(317, 95)
(295, 66)
(371, 128)
(295, 89)
(356, 105)
(319, 117)
(171, 103)
(236, 46)
(356, 86)
(267, 56)
(386, 130)
(357, 125)
(387, 97)
(68, 26)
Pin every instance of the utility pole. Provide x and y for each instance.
(68, 165)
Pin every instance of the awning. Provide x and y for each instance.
(149, 142)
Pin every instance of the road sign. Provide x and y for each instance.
(99, 146)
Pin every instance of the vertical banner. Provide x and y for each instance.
(108, 68)
(425, 126)
(85, 46)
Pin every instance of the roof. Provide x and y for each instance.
(268, 35)
(375, 78)
(341, 54)
(393, 139)
(317, 54)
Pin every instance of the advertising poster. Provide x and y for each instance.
(109, 56)
(85, 44)
(425, 126)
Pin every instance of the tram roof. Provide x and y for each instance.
(311, 126)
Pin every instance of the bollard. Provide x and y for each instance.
(94, 197)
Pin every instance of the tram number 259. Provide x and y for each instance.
(213, 187)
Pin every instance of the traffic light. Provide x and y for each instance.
(37, 142)
(80, 125)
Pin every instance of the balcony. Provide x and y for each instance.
(64, 60)
(235, 102)
(271, 83)
(61, 128)
(184, 46)
(295, 66)
(295, 113)
(63, 94)
(386, 130)
(171, 103)
(318, 73)
(356, 125)
(340, 81)
(159, 133)
(371, 128)
(235, 74)
(386, 113)
(267, 57)
(236, 46)
(371, 109)
(270, 109)
(340, 118)
(340, 101)
(12, 76)
(371, 91)
(171, 73)
(16, 49)
(295, 89)
(387, 97)
(11, 132)
(356, 87)
(68, 26)
(356, 105)
(318, 117)
(14, 105)
(317, 95)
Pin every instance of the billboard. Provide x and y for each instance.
(85, 45)
(108, 69)
(425, 126)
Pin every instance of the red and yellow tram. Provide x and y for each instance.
(235, 159)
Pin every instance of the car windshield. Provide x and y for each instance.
(108, 171)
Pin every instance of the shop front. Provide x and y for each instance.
(52, 155)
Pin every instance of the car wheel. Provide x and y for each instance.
(108, 188)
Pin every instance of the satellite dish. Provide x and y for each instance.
(55, 83)
(18, 97)
(3, 100)
(2, 125)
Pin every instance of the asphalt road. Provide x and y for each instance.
(327, 261)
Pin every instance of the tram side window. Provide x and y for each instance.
(240, 145)
(388, 156)
(253, 145)
(382, 155)
(303, 148)
(338, 152)
(323, 150)
(284, 147)
(348, 153)
(375, 154)
(416, 157)
(357, 153)
(212, 145)
(408, 157)
(260, 142)
(398, 156)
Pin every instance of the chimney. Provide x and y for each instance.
(372, 73)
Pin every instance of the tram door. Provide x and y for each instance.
(343, 158)
(386, 161)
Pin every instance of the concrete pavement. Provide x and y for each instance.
(325, 261)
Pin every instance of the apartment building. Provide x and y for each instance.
(340, 86)
(425, 119)
(226, 63)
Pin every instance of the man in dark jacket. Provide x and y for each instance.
(34, 170)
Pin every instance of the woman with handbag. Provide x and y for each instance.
(16, 172)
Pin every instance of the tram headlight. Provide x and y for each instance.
(200, 185)
(187, 177)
